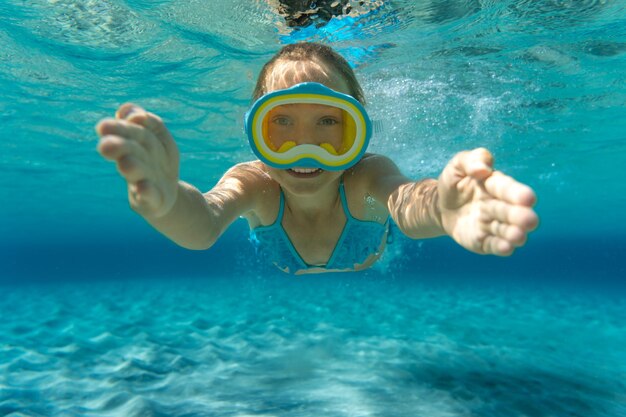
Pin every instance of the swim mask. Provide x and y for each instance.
(310, 126)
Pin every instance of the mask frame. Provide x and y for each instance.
(308, 155)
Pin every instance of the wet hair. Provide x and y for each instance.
(310, 52)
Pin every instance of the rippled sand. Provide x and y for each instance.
(331, 346)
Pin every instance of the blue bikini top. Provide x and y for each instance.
(358, 240)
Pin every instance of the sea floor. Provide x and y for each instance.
(330, 346)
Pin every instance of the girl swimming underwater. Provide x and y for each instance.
(315, 200)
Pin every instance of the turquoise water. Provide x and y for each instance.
(103, 316)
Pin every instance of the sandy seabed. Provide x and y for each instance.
(252, 346)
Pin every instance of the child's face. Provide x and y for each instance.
(310, 123)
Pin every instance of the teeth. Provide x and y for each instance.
(305, 170)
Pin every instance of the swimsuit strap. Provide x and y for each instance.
(281, 208)
(344, 201)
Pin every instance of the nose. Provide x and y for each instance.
(303, 135)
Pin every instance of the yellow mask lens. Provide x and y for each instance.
(290, 125)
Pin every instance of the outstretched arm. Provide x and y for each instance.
(147, 158)
(483, 210)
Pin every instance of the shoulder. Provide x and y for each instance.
(373, 169)
(375, 176)
(246, 174)
(251, 185)
(243, 181)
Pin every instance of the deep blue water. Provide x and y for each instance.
(103, 316)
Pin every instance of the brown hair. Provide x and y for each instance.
(311, 51)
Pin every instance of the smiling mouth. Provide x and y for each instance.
(304, 172)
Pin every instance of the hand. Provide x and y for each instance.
(146, 156)
(484, 210)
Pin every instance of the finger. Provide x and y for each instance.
(476, 163)
(154, 124)
(113, 147)
(109, 147)
(137, 115)
(506, 188)
(102, 125)
(511, 233)
(497, 246)
(521, 216)
(127, 130)
(126, 109)
(132, 169)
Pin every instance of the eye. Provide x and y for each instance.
(328, 121)
(281, 120)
